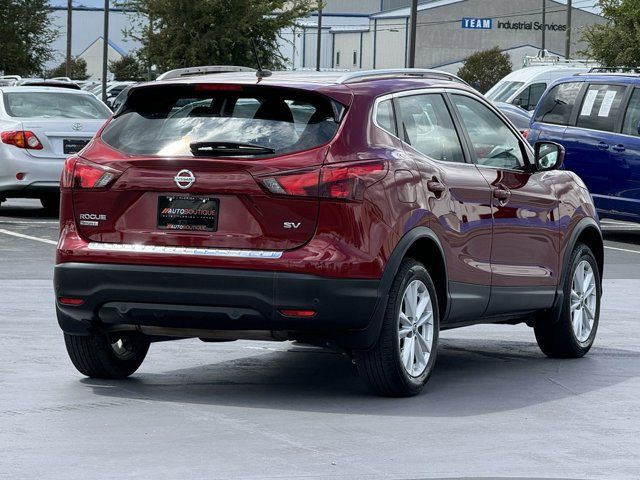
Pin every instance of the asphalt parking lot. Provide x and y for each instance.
(495, 406)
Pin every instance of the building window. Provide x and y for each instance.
(355, 58)
(338, 57)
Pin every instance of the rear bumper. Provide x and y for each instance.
(38, 174)
(132, 296)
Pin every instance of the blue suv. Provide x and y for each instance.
(596, 117)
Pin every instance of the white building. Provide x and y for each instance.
(93, 56)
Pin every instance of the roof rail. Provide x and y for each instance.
(615, 70)
(194, 71)
(381, 74)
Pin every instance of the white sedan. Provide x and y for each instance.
(39, 128)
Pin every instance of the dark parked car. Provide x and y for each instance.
(366, 211)
(596, 117)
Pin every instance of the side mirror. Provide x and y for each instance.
(549, 156)
(517, 102)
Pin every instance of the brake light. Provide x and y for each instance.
(350, 182)
(80, 173)
(22, 139)
(335, 181)
(219, 87)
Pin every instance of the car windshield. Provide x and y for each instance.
(503, 91)
(203, 119)
(54, 104)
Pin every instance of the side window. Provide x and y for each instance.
(385, 117)
(601, 107)
(493, 143)
(428, 127)
(632, 117)
(557, 104)
(535, 93)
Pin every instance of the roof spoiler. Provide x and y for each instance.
(195, 71)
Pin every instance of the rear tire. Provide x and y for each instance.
(402, 360)
(51, 203)
(107, 356)
(571, 335)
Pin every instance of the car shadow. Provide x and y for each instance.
(472, 377)
(26, 211)
(632, 236)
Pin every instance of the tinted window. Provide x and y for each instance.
(557, 104)
(385, 117)
(632, 117)
(530, 96)
(168, 120)
(54, 104)
(494, 144)
(600, 107)
(427, 127)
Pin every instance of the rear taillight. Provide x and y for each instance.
(80, 173)
(343, 181)
(22, 139)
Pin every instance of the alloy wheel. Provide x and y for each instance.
(415, 328)
(583, 301)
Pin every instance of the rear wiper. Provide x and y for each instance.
(225, 149)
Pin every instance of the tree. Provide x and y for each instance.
(26, 34)
(127, 68)
(615, 43)
(176, 34)
(78, 70)
(483, 69)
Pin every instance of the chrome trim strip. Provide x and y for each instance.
(205, 252)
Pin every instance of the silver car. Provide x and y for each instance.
(39, 128)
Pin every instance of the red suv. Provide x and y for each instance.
(365, 211)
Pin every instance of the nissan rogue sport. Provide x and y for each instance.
(367, 211)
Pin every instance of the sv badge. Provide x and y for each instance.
(292, 224)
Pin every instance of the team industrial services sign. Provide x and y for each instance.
(473, 23)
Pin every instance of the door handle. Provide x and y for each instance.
(602, 146)
(502, 194)
(435, 186)
(618, 148)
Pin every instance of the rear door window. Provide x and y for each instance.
(428, 127)
(557, 105)
(179, 120)
(600, 107)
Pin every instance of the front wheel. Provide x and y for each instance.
(402, 360)
(573, 333)
(110, 356)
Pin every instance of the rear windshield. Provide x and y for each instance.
(174, 120)
(502, 93)
(54, 104)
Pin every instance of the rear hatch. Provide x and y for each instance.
(63, 121)
(216, 166)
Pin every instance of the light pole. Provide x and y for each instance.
(69, 21)
(412, 33)
(105, 50)
(567, 47)
(319, 40)
(544, 24)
